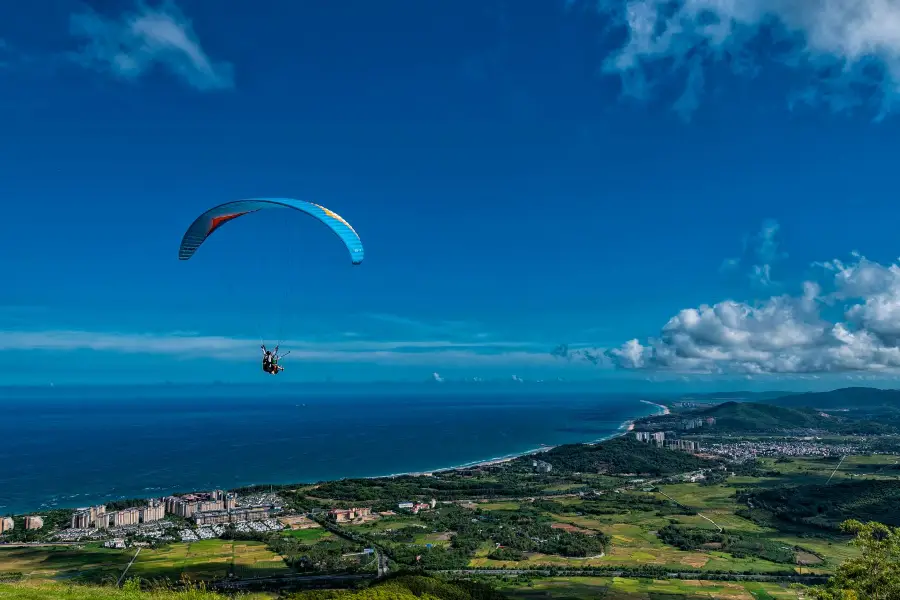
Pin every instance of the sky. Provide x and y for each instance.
(689, 190)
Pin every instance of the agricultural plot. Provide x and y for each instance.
(208, 559)
(92, 564)
(622, 588)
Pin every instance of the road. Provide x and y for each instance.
(122, 576)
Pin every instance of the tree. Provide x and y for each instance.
(875, 574)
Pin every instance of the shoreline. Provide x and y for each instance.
(624, 428)
(665, 409)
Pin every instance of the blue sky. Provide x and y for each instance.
(522, 174)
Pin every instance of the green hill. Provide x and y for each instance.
(850, 398)
(622, 455)
(750, 416)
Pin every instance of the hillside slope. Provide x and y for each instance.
(852, 398)
(622, 455)
(751, 416)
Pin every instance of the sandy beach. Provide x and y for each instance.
(665, 409)
(623, 429)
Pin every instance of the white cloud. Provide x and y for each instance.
(132, 44)
(760, 251)
(785, 334)
(846, 52)
(186, 346)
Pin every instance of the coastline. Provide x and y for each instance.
(624, 428)
(665, 409)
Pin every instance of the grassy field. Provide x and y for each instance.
(89, 563)
(818, 470)
(622, 588)
(205, 559)
(208, 559)
(386, 523)
(634, 539)
(311, 535)
(33, 590)
(499, 505)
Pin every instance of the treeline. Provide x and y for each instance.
(126, 503)
(612, 504)
(53, 520)
(387, 492)
(525, 530)
(623, 455)
(739, 545)
(826, 506)
(323, 556)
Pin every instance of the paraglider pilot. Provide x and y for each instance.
(270, 361)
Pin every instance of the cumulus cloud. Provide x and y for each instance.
(785, 334)
(187, 345)
(846, 52)
(129, 46)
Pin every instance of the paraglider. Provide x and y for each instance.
(211, 220)
(270, 360)
(204, 225)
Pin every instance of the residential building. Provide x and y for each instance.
(81, 519)
(541, 466)
(255, 513)
(128, 516)
(154, 511)
(6, 524)
(210, 505)
(405, 505)
(34, 522)
(350, 514)
(102, 520)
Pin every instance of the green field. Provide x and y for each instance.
(634, 541)
(208, 559)
(205, 559)
(622, 588)
(55, 591)
(310, 535)
(499, 505)
(46, 562)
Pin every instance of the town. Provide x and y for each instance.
(196, 516)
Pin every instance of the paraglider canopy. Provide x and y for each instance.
(204, 225)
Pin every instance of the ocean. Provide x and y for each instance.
(75, 448)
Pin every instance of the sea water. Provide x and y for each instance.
(89, 446)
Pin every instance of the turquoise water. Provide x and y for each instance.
(67, 449)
